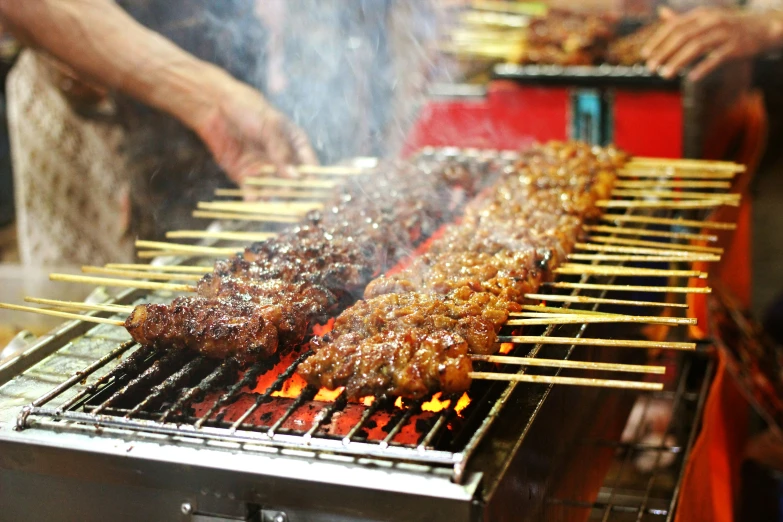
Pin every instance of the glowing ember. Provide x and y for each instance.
(327, 395)
(367, 401)
(291, 388)
(506, 347)
(321, 329)
(398, 403)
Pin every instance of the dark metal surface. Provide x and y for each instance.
(637, 76)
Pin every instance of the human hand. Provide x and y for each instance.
(707, 35)
(244, 132)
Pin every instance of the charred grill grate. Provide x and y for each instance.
(644, 473)
(195, 399)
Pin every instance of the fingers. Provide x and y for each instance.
(692, 51)
(674, 26)
(684, 33)
(710, 63)
(304, 151)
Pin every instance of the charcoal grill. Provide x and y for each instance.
(87, 423)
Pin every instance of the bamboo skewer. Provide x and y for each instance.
(601, 300)
(687, 163)
(161, 268)
(187, 249)
(76, 305)
(273, 208)
(272, 193)
(206, 214)
(579, 365)
(138, 274)
(72, 305)
(650, 233)
(681, 254)
(553, 310)
(226, 235)
(668, 221)
(632, 171)
(671, 183)
(673, 194)
(64, 315)
(671, 204)
(152, 254)
(682, 247)
(282, 182)
(642, 259)
(572, 381)
(585, 319)
(633, 288)
(130, 283)
(584, 341)
(575, 268)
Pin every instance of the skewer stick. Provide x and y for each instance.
(161, 268)
(671, 183)
(250, 207)
(327, 170)
(576, 268)
(64, 315)
(572, 381)
(682, 247)
(105, 281)
(138, 274)
(634, 171)
(584, 319)
(687, 163)
(633, 288)
(584, 341)
(272, 193)
(152, 254)
(187, 249)
(205, 214)
(650, 233)
(673, 194)
(681, 254)
(73, 305)
(632, 203)
(580, 365)
(274, 208)
(282, 182)
(227, 235)
(601, 300)
(553, 310)
(640, 259)
(668, 221)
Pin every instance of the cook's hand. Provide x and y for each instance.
(712, 35)
(244, 132)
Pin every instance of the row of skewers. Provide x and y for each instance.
(513, 239)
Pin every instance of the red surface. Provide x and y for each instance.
(711, 478)
(649, 123)
(509, 117)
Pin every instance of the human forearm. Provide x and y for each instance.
(103, 43)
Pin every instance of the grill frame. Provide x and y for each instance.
(462, 473)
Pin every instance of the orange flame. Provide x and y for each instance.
(506, 347)
(435, 404)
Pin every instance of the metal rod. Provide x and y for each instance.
(304, 396)
(325, 415)
(369, 412)
(276, 385)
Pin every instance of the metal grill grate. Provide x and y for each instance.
(644, 471)
(195, 399)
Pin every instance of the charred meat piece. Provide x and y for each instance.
(216, 328)
(414, 363)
